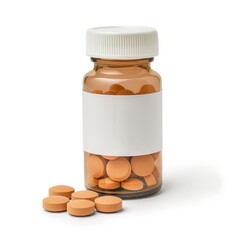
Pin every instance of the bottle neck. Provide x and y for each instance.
(117, 63)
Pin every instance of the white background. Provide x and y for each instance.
(42, 62)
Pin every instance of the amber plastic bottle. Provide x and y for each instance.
(122, 113)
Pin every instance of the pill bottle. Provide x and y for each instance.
(122, 112)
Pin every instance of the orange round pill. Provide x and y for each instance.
(150, 180)
(132, 184)
(108, 204)
(119, 169)
(148, 88)
(95, 166)
(124, 92)
(92, 181)
(110, 157)
(97, 91)
(61, 190)
(85, 194)
(81, 208)
(142, 165)
(108, 183)
(155, 173)
(110, 93)
(116, 88)
(55, 203)
(157, 164)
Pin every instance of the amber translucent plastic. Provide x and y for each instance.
(123, 77)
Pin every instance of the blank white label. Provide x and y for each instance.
(126, 125)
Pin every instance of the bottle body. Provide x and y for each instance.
(122, 128)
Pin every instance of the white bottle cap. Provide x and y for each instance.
(122, 42)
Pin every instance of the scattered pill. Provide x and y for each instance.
(142, 165)
(110, 157)
(61, 190)
(85, 194)
(119, 169)
(150, 180)
(108, 204)
(95, 166)
(55, 203)
(147, 89)
(108, 183)
(81, 207)
(132, 184)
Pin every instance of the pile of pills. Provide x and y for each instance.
(81, 203)
(126, 173)
(117, 89)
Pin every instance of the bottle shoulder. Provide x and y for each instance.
(132, 79)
